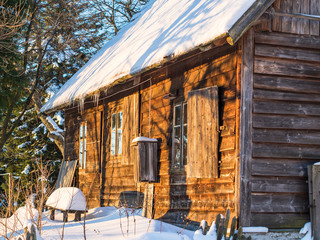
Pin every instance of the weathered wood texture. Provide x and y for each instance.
(89, 177)
(285, 120)
(293, 24)
(177, 197)
(246, 127)
(203, 133)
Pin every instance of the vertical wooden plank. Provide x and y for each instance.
(314, 10)
(147, 209)
(130, 126)
(203, 116)
(286, 22)
(310, 187)
(276, 21)
(316, 200)
(246, 127)
(305, 24)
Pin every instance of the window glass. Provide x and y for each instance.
(84, 153)
(113, 143)
(177, 120)
(81, 153)
(119, 141)
(119, 120)
(81, 131)
(113, 122)
(179, 140)
(85, 130)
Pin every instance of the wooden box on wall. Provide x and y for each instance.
(146, 159)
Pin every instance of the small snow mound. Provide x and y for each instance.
(161, 236)
(306, 230)
(255, 230)
(211, 235)
(67, 198)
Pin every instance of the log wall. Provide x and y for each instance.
(177, 197)
(285, 117)
(88, 179)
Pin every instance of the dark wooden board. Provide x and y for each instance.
(276, 203)
(286, 136)
(286, 84)
(280, 167)
(280, 220)
(286, 68)
(285, 96)
(279, 185)
(281, 107)
(302, 54)
(286, 122)
(290, 40)
(285, 151)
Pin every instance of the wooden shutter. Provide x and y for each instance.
(130, 126)
(203, 133)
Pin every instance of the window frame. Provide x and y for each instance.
(116, 129)
(182, 162)
(83, 134)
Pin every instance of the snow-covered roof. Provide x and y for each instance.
(163, 28)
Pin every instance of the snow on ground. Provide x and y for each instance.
(104, 223)
(112, 223)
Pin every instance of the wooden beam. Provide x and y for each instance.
(247, 20)
(246, 127)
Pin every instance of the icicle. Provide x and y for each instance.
(81, 105)
(96, 99)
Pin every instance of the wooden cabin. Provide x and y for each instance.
(236, 118)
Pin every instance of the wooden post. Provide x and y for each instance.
(316, 201)
(65, 216)
(52, 212)
(310, 186)
(77, 216)
(10, 195)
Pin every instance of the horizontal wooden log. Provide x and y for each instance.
(287, 84)
(285, 151)
(280, 167)
(287, 203)
(285, 96)
(286, 136)
(292, 40)
(286, 122)
(286, 68)
(279, 185)
(287, 53)
(280, 107)
(280, 220)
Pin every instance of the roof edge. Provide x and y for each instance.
(247, 20)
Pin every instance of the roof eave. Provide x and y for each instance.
(247, 20)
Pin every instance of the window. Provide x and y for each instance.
(116, 133)
(179, 138)
(83, 145)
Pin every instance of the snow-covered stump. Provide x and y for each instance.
(219, 229)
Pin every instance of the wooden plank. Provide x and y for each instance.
(285, 203)
(280, 107)
(314, 10)
(286, 122)
(66, 174)
(246, 127)
(286, 68)
(148, 201)
(203, 124)
(276, 21)
(280, 220)
(286, 22)
(287, 84)
(285, 96)
(287, 52)
(310, 187)
(316, 200)
(289, 40)
(280, 167)
(286, 136)
(285, 151)
(279, 185)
